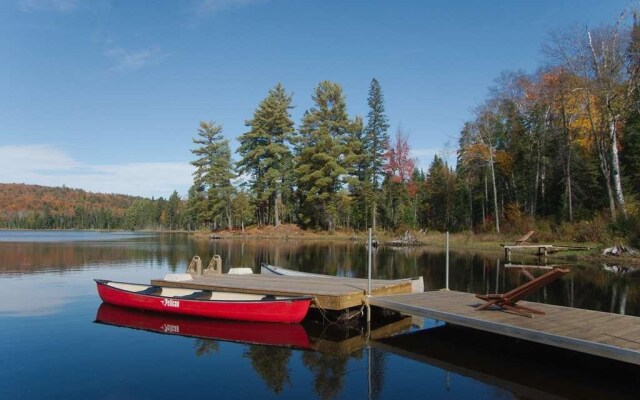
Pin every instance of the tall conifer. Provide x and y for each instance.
(265, 151)
(214, 170)
(324, 155)
(376, 143)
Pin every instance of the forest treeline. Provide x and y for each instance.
(41, 207)
(555, 150)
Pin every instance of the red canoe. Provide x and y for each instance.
(204, 303)
(263, 333)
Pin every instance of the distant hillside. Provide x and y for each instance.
(33, 206)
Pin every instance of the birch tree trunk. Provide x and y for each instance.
(534, 206)
(495, 189)
(276, 215)
(568, 149)
(615, 166)
(569, 193)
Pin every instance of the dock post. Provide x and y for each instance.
(369, 279)
(497, 275)
(447, 264)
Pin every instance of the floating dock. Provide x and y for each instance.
(339, 293)
(602, 334)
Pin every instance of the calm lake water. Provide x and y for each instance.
(58, 341)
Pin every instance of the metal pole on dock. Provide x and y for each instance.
(369, 279)
(447, 264)
(369, 264)
(497, 275)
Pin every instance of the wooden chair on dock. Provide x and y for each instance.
(524, 238)
(507, 301)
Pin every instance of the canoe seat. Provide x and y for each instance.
(203, 294)
(151, 290)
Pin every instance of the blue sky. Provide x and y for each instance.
(106, 95)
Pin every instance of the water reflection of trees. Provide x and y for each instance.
(174, 250)
(206, 347)
(271, 364)
(328, 372)
(590, 286)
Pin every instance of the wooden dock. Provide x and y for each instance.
(543, 249)
(338, 293)
(602, 334)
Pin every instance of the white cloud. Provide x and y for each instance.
(50, 166)
(214, 6)
(47, 5)
(130, 60)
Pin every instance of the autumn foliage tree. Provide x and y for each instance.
(398, 187)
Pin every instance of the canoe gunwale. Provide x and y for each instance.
(106, 282)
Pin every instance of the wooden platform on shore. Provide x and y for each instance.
(331, 294)
(543, 249)
(603, 334)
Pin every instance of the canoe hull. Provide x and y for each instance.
(291, 310)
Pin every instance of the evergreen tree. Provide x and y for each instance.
(440, 194)
(360, 188)
(195, 213)
(174, 210)
(242, 209)
(265, 152)
(376, 144)
(324, 155)
(214, 171)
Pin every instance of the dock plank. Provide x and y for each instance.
(594, 332)
(332, 294)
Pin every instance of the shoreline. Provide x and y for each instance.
(462, 241)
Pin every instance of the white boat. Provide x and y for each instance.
(417, 283)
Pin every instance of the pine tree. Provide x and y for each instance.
(376, 143)
(360, 182)
(174, 209)
(440, 194)
(324, 155)
(195, 214)
(214, 171)
(242, 208)
(265, 152)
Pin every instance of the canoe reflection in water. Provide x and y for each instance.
(264, 333)
(337, 340)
